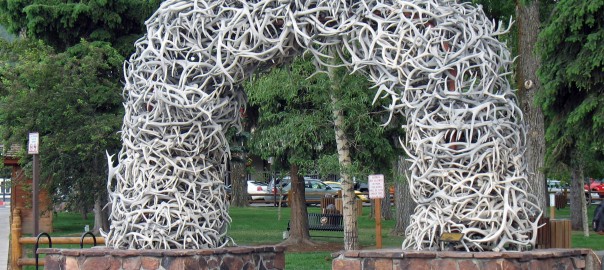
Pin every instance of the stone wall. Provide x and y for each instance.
(386, 259)
(260, 257)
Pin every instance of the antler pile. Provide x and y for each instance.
(439, 63)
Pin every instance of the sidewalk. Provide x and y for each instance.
(4, 233)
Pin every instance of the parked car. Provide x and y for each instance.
(338, 186)
(314, 190)
(278, 183)
(258, 190)
(360, 186)
(593, 184)
(594, 188)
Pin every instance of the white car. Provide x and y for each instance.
(257, 190)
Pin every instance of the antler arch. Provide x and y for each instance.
(438, 62)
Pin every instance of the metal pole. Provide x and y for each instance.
(36, 176)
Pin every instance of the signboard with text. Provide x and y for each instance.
(33, 146)
(376, 186)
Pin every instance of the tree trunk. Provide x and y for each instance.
(239, 196)
(84, 213)
(101, 216)
(527, 15)
(351, 234)
(101, 213)
(578, 206)
(401, 218)
(298, 225)
(403, 203)
(386, 205)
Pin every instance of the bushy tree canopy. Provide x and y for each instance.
(73, 100)
(296, 121)
(62, 23)
(293, 109)
(70, 90)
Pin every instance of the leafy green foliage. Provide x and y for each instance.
(497, 9)
(70, 90)
(73, 100)
(296, 121)
(573, 81)
(62, 23)
(293, 111)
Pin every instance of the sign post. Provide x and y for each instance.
(376, 192)
(552, 206)
(33, 148)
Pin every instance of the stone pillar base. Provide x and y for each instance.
(406, 259)
(232, 258)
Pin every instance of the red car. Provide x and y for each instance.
(595, 186)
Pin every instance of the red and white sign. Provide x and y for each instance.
(376, 186)
(33, 146)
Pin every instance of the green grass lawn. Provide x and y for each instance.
(262, 226)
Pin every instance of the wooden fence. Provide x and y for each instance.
(17, 256)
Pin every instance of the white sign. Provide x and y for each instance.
(376, 186)
(552, 200)
(33, 146)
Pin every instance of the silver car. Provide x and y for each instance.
(314, 190)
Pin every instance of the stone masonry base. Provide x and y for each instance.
(387, 259)
(259, 257)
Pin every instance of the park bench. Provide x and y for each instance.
(324, 222)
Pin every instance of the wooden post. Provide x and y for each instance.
(552, 205)
(378, 223)
(560, 233)
(15, 246)
(376, 192)
(36, 193)
(33, 148)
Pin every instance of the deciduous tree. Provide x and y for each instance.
(298, 115)
(63, 25)
(292, 129)
(73, 100)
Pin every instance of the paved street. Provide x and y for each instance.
(4, 233)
